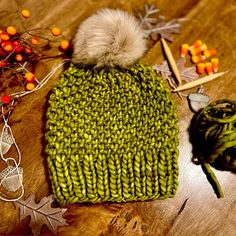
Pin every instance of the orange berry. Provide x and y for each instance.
(29, 77)
(4, 36)
(19, 57)
(11, 30)
(30, 86)
(35, 41)
(56, 31)
(27, 50)
(3, 63)
(25, 13)
(8, 46)
(64, 45)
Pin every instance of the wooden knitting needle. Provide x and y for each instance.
(171, 61)
(197, 82)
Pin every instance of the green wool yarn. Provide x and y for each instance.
(111, 135)
(214, 131)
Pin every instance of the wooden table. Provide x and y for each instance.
(195, 210)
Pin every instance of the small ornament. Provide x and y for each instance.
(198, 101)
(6, 142)
(11, 178)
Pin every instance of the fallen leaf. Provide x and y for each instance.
(164, 69)
(41, 213)
(146, 20)
(157, 26)
(187, 74)
(164, 29)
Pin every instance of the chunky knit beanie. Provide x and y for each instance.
(111, 136)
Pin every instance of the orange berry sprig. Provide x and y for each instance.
(19, 48)
(199, 53)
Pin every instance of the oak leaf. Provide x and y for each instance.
(41, 213)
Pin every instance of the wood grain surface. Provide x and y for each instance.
(195, 210)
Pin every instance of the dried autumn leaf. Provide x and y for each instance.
(187, 74)
(164, 29)
(41, 213)
(158, 26)
(164, 69)
(146, 20)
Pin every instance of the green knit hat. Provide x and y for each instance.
(111, 136)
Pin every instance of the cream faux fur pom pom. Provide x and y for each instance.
(108, 38)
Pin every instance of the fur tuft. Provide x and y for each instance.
(109, 38)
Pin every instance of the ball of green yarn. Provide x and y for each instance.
(111, 136)
(214, 132)
(216, 127)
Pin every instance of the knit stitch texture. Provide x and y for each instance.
(111, 135)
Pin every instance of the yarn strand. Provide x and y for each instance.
(214, 134)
